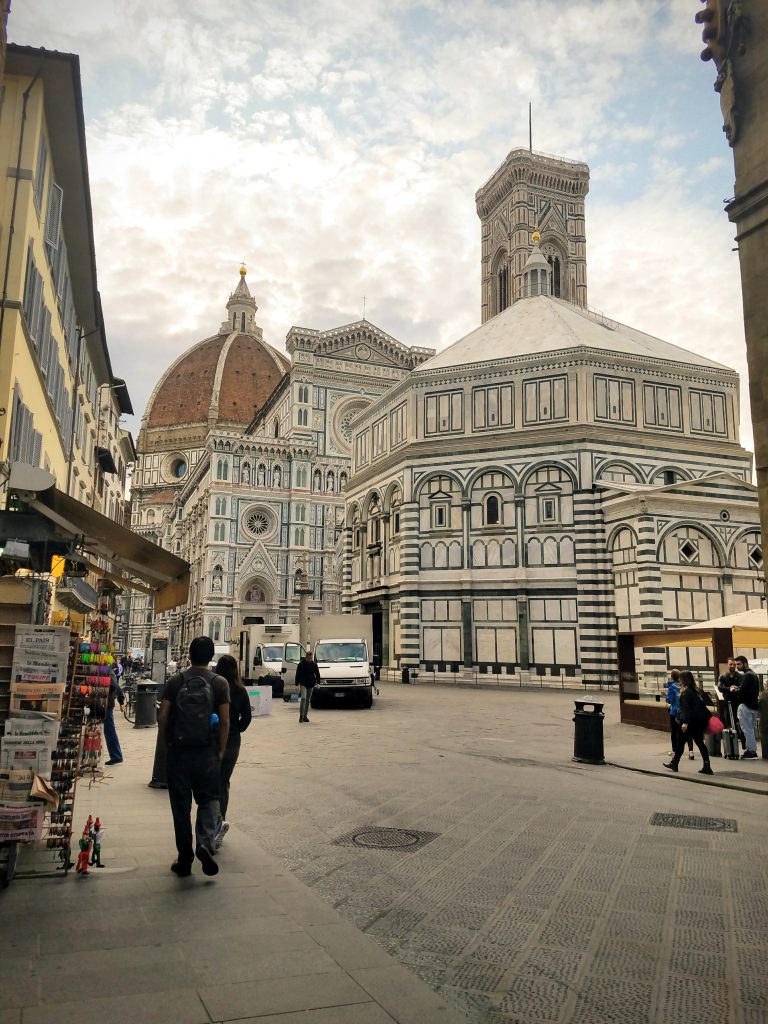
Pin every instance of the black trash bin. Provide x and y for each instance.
(406, 675)
(588, 732)
(146, 706)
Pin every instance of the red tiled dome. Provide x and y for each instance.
(234, 374)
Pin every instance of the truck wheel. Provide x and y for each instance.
(367, 701)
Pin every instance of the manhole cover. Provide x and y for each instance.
(693, 821)
(376, 837)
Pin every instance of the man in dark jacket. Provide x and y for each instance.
(307, 676)
(746, 695)
(110, 732)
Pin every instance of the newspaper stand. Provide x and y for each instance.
(44, 729)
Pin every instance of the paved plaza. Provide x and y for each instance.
(515, 886)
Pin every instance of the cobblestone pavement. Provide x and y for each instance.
(543, 892)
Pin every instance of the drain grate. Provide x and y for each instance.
(693, 821)
(376, 837)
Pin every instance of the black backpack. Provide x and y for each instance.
(192, 710)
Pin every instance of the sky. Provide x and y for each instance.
(336, 149)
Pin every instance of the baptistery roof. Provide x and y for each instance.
(542, 325)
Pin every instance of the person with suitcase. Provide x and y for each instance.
(746, 695)
(694, 715)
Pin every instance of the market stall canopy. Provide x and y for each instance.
(747, 629)
(161, 573)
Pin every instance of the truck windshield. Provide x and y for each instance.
(341, 651)
(273, 652)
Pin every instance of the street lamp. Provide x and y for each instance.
(303, 588)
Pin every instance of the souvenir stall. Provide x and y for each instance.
(54, 683)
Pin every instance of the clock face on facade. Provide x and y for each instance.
(363, 352)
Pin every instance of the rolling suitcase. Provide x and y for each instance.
(730, 737)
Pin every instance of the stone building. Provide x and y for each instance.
(244, 456)
(499, 507)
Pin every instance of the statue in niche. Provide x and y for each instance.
(277, 477)
(260, 475)
(245, 473)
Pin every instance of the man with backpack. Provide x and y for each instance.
(194, 717)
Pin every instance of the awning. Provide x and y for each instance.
(76, 594)
(747, 629)
(163, 574)
(105, 460)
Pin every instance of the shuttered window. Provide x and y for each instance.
(42, 159)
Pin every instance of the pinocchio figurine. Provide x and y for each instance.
(81, 868)
(97, 832)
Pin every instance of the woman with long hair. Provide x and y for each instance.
(239, 720)
(694, 715)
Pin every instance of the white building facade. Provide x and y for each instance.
(500, 508)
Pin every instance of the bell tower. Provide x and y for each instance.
(532, 192)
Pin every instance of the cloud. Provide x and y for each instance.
(337, 149)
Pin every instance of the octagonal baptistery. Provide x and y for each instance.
(221, 382)
(545, 477)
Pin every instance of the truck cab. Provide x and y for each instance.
(345, 671)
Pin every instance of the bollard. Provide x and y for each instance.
(146, 707)
(588, 732)
(405, 675)
(159, 773)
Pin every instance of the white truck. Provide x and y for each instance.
(341, 645)
(262, 650)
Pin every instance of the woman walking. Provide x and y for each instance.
(239, 720)
(673, 699)
(694, 716)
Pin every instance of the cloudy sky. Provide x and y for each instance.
(336, 148)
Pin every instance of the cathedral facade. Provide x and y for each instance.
(499, 508)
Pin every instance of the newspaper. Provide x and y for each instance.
(47, 697)
(15, 785)
(46, 640)
(22, 824)
(26, 752)
(31, 723)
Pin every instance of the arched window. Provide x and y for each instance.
(303, 417)
(301, 513)
(242, 322)
(502, 286)
(277, 428)
(492, 513)
(234, 321)
(222, 470)
(300, 535)
(554, 262)
(214, 630)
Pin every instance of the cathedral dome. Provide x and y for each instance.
(222, 380)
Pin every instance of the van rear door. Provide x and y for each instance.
(293, 655)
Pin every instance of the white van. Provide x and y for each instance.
(345, 671)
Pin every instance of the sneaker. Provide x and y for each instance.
(706, 770)
(749, 753)
(182, 869)
(671, 765)
(220, 834)
(204, 855)
(113, 760)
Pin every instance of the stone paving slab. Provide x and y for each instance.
(133, 943)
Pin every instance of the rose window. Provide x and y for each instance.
(257, 523)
